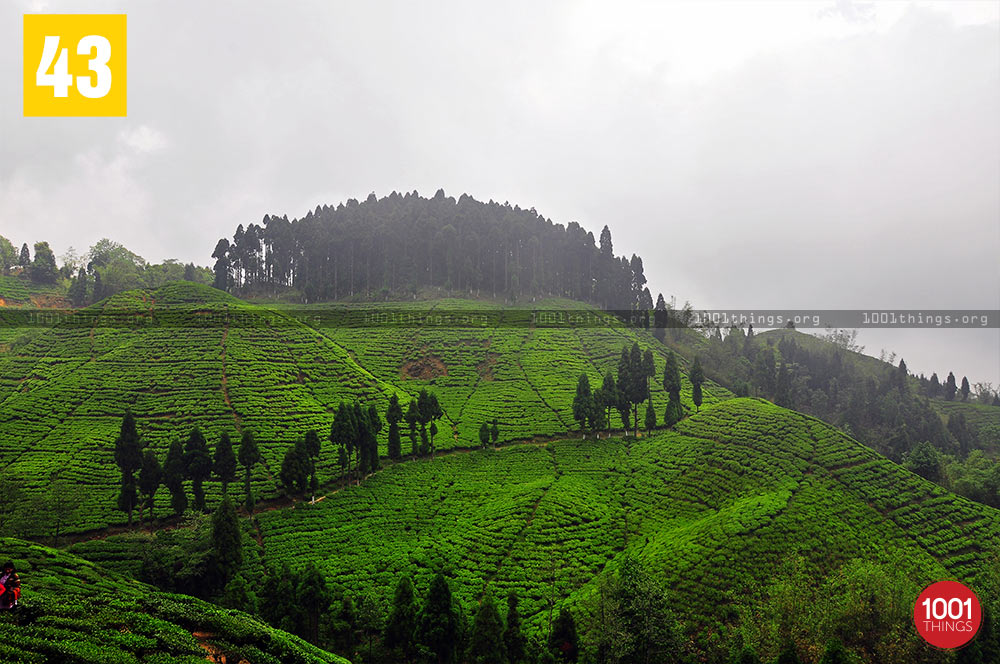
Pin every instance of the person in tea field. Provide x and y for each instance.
(10, 586)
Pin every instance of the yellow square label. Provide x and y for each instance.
(74, 65)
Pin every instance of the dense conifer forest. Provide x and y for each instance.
(401, 243)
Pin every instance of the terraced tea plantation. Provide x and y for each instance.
(194, 356)
(713, 507)
(73, 611)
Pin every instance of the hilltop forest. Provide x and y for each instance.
(404, 242)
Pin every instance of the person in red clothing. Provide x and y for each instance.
(10, 587)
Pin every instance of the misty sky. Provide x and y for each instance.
(793, 155)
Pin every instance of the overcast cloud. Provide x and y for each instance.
(794, 155)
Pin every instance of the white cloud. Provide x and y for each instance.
(143, 139)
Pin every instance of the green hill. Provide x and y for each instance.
(718, 508)
(74, 612)
(64, 391)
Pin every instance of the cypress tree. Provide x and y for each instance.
(609, 396)
(375, 427)
(639, 385)
(362, 430)
(583, 402)
(672, 384)
(513, 638)
(197, 466)
(965, 388)
(314, 598)
(563, 639)
(934, 389)
(484, 435)
(227, 540)
(346, 626)
(370, 619)
(248, 456)
(428, 410)
(625, 390)
(659, 318)
(648, 368)
(402, 623)
(344, 430)
(495, 432)
(128, 456)
(342, 459)
(782, 391)
(650, 416)
(24, 258)
(224, 463)
(437, 628)
(173, 477)
(393, 415)
(150, 477)
(295, 467)
(697, 377)
(412, 418)
(950, 387)
(901, 374)
(312, 449)
(486, 641)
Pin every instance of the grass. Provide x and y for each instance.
(73, 611)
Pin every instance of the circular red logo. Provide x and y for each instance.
(947, 614)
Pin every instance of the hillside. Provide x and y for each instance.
(20, 291)
(74, 611)
(983, 420)
(63, 393)
(718, 508)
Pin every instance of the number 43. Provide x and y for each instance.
(61, 80)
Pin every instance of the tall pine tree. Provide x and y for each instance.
(950, 387)
(437, 628)
(697, 377)
(672, 384)
(224, 463)
(174, 475)
(486, 645)
(128, 456)
(402, 623)
(227, 541)
(197, 466)
(513, 637)
(583, 402)
(248, 456)
(393, 416)
(150, 477)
